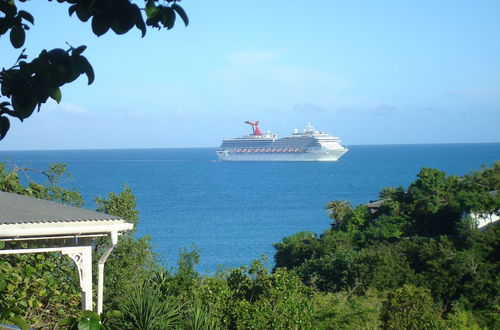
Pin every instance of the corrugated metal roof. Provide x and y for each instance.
(16, 209)
(375, 204)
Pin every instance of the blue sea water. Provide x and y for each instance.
(234, 211)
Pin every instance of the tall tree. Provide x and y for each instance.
(338, 211)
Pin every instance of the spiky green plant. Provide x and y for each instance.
(200, 317)
(148, 309)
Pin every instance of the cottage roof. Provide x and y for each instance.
(16, 208)
(375, 204)
(24, 218)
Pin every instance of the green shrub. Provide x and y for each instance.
(410, 307)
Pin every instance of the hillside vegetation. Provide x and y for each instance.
(415, 245)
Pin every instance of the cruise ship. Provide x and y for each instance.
(306, 145)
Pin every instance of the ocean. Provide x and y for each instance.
(233, 212)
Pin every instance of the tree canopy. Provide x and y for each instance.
(26, 85)
(419, 244)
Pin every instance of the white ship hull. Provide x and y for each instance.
(307, 146)
(319, 156)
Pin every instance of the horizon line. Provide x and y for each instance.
(157, 148)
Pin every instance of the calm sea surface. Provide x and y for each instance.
(234, 212)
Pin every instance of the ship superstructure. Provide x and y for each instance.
(307, 145)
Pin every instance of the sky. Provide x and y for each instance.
(370, 72)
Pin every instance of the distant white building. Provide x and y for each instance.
(485, 220)
(481, 220)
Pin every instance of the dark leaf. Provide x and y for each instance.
(8, 8)
(4, 128)
(83, 13)
(180, 11)
(124, 22)
(72, 9)
(73, 73)
(5, 89)
(56, 55)
(3, 284)
(114, 314)
(4, 27)
(23, 106)
(25, 67)
(100, 25)
(27, 16)
(138, 20)
(67, 321)
(115, 26)
(90, 314)
(17, 36)
(87, 323)
(83, 66)
(168, 17)
(79, 50)
(5, 313)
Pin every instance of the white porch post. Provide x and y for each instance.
(100, 271)
(82, 256)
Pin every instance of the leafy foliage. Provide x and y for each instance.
(384, 267)
(421, 236)
(27, 85)
(343, 310)
(41, 287)
(15, 21)
(252, 298)
(46, 185)
(87, 320)
(30, 84)
(294, 250)
(122, 205)
(410, 307)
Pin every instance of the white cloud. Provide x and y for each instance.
(244, 57)
(277, 85)
(486, 94)
(66, 107)
(70, 107)
(309, 108)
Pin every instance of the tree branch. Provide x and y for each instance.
(24, 171)
(8, 112)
